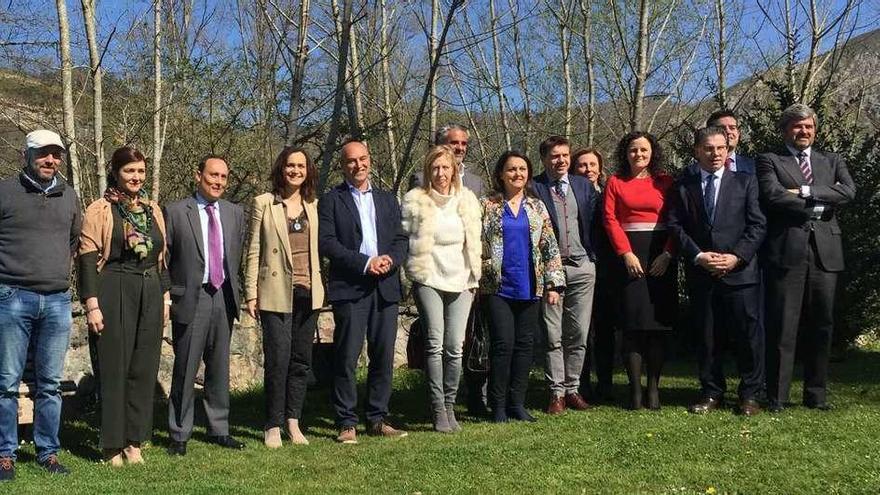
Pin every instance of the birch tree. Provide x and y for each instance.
(67, 95)
(88, 8)
(158, 141)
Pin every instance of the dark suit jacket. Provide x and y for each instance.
(186, 254)
(584, 194)
(744, 164)
(789, 222)
(339, 240)
(738, 229)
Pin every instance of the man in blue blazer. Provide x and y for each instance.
(361, 236)
(717, 220)
(570, 200)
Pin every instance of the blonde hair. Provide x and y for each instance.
(435, 153)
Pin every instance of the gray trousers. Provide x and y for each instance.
(567, 325)
(444, 318)
(206, 338)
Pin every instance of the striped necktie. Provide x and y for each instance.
(806, 169)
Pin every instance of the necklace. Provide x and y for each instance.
(297, 224)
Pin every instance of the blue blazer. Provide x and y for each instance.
(584, 194)
(339, 240)
(739, 226)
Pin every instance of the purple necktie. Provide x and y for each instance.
(806, 169)
(215, 249)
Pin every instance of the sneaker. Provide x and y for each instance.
(52, 465)
(7, 469)
(383, 429)
(347, 434)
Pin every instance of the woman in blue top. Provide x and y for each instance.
(521, 264)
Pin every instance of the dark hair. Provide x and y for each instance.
(590, 151)
(655, 166)
(498, 185)
(276, 174)
(720, 114)
(120, 158)
(701, 135)
(204, 161)
(551, 142)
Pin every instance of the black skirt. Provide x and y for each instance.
(646, 303)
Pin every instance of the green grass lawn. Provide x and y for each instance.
(606, 450)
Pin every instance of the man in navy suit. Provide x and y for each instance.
(570, 200)
(717, 220)
(361, 236)
(735, 162)
(801, 189)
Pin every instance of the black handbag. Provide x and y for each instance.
(415, 346)
(477, 341)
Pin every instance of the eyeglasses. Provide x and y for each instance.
(55, 152)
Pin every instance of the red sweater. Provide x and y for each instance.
(631, 200)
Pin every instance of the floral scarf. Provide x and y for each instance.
(137, 220)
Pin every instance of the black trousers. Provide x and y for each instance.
(287, 358)
(512, 329)
(128, 350)
(376, 320)
(723, 313)
(802, 294)
(600, 343)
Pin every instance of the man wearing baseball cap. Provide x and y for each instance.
(40, 223)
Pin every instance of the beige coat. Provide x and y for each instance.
(97, 230)
(268, 274)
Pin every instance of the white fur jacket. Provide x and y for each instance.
(419, 212)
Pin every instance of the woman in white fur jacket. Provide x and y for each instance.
(443, 222)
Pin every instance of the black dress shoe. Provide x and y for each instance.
(819, 406)
(478, 409)
(177, 448)
(775, 407)
(519, 413)
(227, 442)
(705, 405)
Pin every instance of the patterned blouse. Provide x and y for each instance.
(545, 251)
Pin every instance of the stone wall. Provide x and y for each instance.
(246, 351)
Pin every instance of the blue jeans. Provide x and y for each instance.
(44, 320)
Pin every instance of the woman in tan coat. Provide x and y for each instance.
(283, 287)
(122, 283)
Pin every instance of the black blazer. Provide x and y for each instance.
(339, 240)
(738, 229)
(585, 196)
(186, 254)
(788, 215)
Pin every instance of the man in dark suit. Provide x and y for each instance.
(456, 136)
(361, 236)
(204, 235)
(719, 225)
(801, 188)
(570, 200)
(736, 162)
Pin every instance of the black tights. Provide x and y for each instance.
(647, 346)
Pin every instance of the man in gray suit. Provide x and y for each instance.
(455, 136)
(204, 238)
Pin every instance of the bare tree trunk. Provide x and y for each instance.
(357, 124)
(432, 102)
(563, 16)
(67, 94)
(296, 84)
(158, 141)
(407, 151)
(521, 78)
(586, 37)
(499, 89)
(641, 75)
(88, 7)
(791, 48)
(339, 95)
(387, 109)
(721, 52)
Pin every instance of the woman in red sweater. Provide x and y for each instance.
(635, 204)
